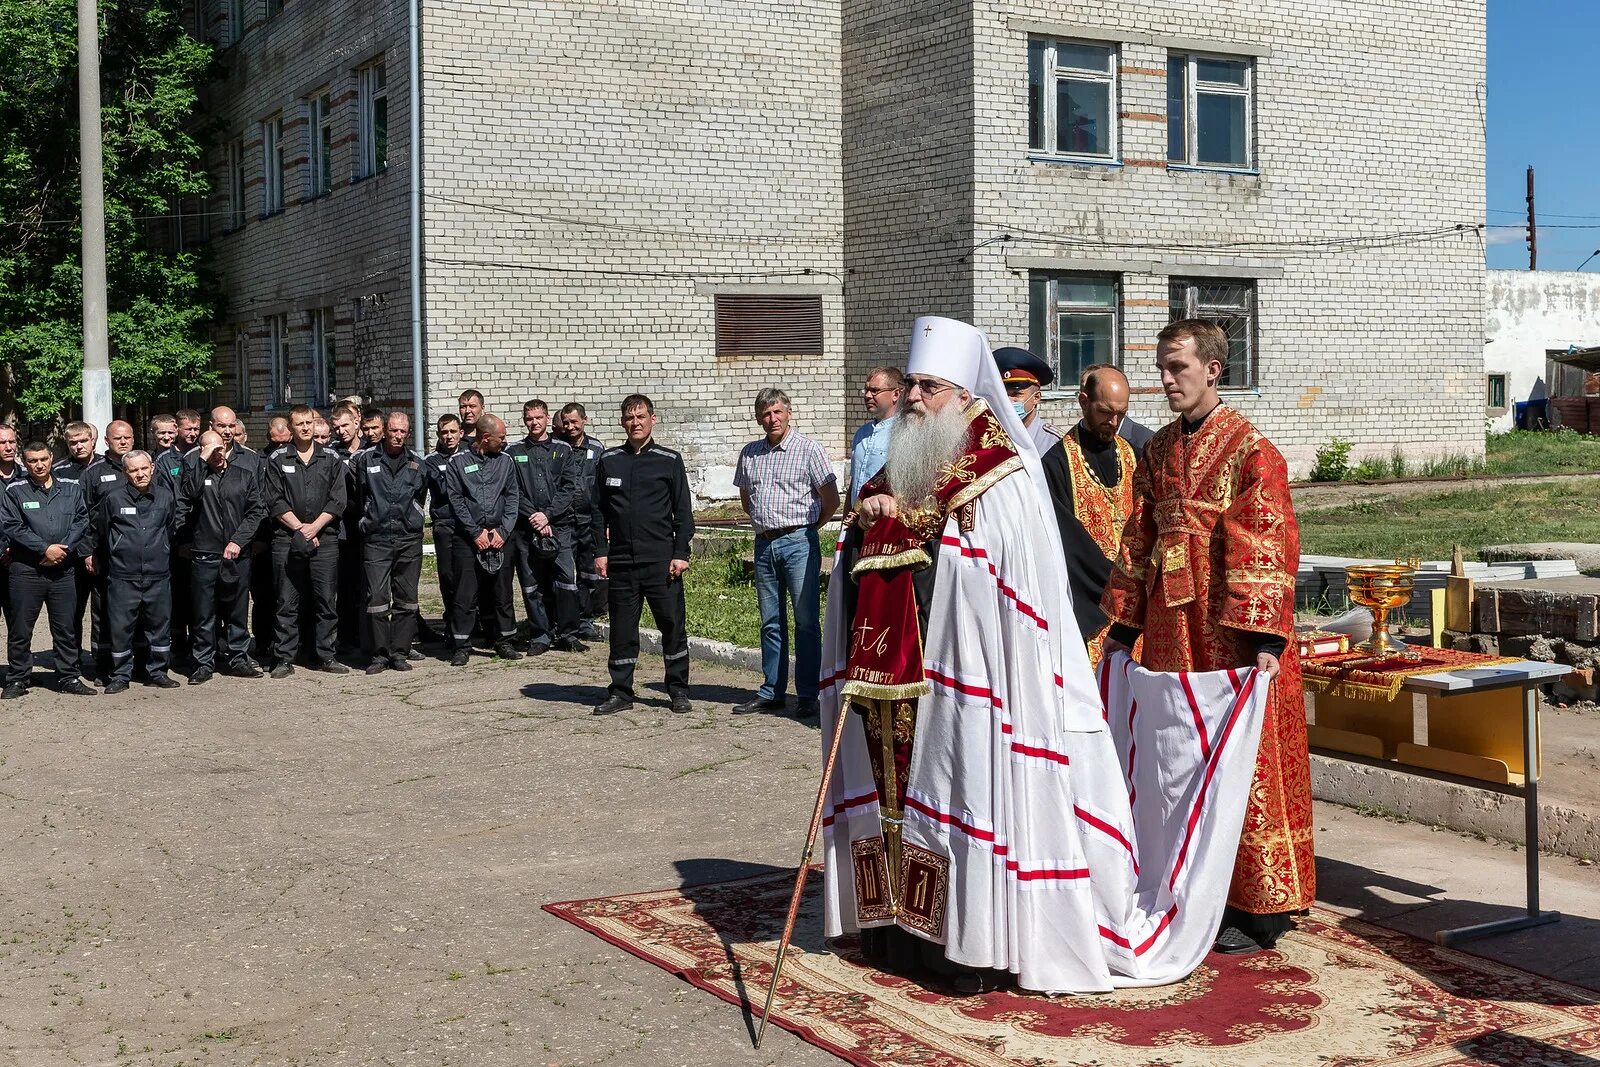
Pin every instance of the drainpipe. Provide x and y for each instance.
(419, 430)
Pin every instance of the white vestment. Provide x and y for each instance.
(1090, 823)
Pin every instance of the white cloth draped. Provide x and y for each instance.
(1091, 822)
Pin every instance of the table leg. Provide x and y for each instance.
(1530, 822)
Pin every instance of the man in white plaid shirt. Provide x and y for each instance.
(788, 488)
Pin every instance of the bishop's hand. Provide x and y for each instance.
(873, 508)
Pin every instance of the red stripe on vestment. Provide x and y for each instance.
(1006, 591)
(848, 803)
(1040, 874)
(1199, 720)
(965, 688)
(950, 820)
(1144, 946)
(1041, 753)
(1110, 831)
(1211, 769)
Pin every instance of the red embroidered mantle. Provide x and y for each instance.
(885, 659)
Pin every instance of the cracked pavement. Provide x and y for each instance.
(351, 868)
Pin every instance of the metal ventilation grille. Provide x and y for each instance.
(749, 325)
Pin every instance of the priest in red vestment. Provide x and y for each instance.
(1206, 574)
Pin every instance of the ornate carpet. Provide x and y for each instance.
(1336, 992)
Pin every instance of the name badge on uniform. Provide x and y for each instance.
(128, 511)
(372, 470)
(108, 477)
(208, 481)
(471, 467)
(174, 470)
(521, 459)
(30, 505)
(288, 468)
(613, 481)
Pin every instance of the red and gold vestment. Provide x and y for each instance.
(1207, 565)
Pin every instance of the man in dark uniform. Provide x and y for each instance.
(482, 483)
(219, 509)
(81, 439)
(547, 485)
(133, 527)
(645, 518)
(445, 534)
(591, 587)
(102, 476)
(172, 444)
(390, 487)
(373, 422)
(11, 470)
(469, 405)
(347, 443)
(1025, 375)
(43, 520)
(188, 429)
(306, 494)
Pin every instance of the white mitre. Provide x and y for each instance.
(948, 349)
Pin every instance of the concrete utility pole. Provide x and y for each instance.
(96, 347)
(1533, 230)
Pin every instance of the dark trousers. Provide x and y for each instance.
(445, 557)
(352, 593)
(631, 586)
(392, 572)
(500, 618)
(138, 605)
(313, 579)
(549, 588)
(99, 620)
(219, 592)
(591, 587)
(263, 601)
(55, 589)
(182, 606)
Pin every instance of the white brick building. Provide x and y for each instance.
(599, 178)
(1531, 317)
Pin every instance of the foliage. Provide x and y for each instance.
(1542, 452)
(1427, 526)
(1370, 469)
(1333, 461)
(160, 303)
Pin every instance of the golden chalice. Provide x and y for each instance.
(1381, 587)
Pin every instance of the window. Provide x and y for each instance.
(274, 7)
(1210, 104)
(751, 325)
(241, 370)
(1231, 305)
(1073, 318)
(235, 21)
(278, 362)
(272, 160)
(373, 135)
(1072, 99)
(1497, 394)
(322, 376)
(235, 184)
(320, 159)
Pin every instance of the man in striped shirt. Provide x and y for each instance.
(788, 488)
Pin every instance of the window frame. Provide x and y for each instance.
(319, 148)
(1046, 321)
(241, 369)
(1504, 380)
(1194, 308)
(322, 342)
(272, 165)
(238, 212)
(1191, 127)
(278, 363)
(236, 22)
(1052, 73)
(368, 165)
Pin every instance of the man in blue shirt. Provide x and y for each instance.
(870, 447)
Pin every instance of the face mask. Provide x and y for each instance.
(1020, 408)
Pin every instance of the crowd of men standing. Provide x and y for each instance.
(167, 547)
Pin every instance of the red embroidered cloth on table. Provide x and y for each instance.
(1361, 676)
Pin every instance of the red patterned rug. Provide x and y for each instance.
(1336, 992)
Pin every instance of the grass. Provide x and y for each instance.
(720, 602)
(1427, 526)
(1541, 452)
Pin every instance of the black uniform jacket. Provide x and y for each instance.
(306, 488)
(438, 463)
(33, 518)
(133, 531)
(547, 479)
(101, 477)
(216, 509)
(390, 491)
(69, 470)
(483, 493)
(643, 510)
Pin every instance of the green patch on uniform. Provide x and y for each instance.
(471, 467)
(30, 505)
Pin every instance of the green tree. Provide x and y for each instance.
(160, 301)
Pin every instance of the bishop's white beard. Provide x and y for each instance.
(920, 447)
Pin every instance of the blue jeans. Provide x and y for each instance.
(789, 564)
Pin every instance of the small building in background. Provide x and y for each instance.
(1541, 349)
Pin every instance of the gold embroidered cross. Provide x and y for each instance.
(959, 471)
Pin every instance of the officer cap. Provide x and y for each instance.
(1020, 365)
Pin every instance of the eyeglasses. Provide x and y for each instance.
(927, 386)
(868, 390)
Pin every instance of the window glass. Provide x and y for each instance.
(1085, 339)
(1083, 114)
(1036, 91)
(1177, 105)
(1226, 71)
(1083, 56)
(1220, 133)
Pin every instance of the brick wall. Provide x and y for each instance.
(595, 173)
